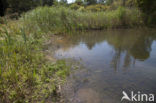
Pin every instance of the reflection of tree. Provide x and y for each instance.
(90, 45)
(141, 49)
(128, 45)
(116, 60)
(135, 45)
(127, 60)
(90, 38)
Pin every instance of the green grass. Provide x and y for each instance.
(25, 75)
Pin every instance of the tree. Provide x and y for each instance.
(63, 1)
(109, 2)
(79, 2)
(3, 6)
(149, 8)
(101, 1)
(22, 5)
(91, 2)
(48, 2)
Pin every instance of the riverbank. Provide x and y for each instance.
(26, 74)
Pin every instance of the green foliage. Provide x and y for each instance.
(63, 1)
(109, 2)
(89, 2)
(1, 20)
(97, 8)
(3, 6)
(115, 4)
(149, 8)
(75, 6)
(63, 19)
(131, 3)
(20, 5)
(79, 2)
(25, 74)
(48, 2)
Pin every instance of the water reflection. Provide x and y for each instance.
(114, 60)
(128, 45)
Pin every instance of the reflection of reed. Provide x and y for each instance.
(132, 44)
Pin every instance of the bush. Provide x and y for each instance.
(75, 6)
(97, 8)
(22, 6)
(1, 20)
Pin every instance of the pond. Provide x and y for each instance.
(114, 61)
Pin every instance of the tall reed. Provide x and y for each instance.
(62, 19)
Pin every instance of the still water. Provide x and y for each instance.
(113, 61)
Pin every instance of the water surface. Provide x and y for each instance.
(114, 61)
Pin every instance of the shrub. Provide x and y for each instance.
(75, 6)
(97, 8)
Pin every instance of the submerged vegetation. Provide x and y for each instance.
(25, 74)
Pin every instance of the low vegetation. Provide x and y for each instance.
(25, 74)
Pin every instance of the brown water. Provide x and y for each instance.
(113, 60)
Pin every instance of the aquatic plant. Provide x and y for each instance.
(63, 19)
